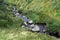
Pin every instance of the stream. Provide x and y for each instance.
(37, 27)
(29, 23)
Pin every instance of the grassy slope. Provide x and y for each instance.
(40, 11)
(43, 11)
(22, 34)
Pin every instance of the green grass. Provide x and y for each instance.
(22, 34)
(47, 11)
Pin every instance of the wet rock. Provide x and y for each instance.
(55, 34)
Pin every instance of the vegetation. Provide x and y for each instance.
(45, 11)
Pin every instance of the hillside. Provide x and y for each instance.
(40, 11)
